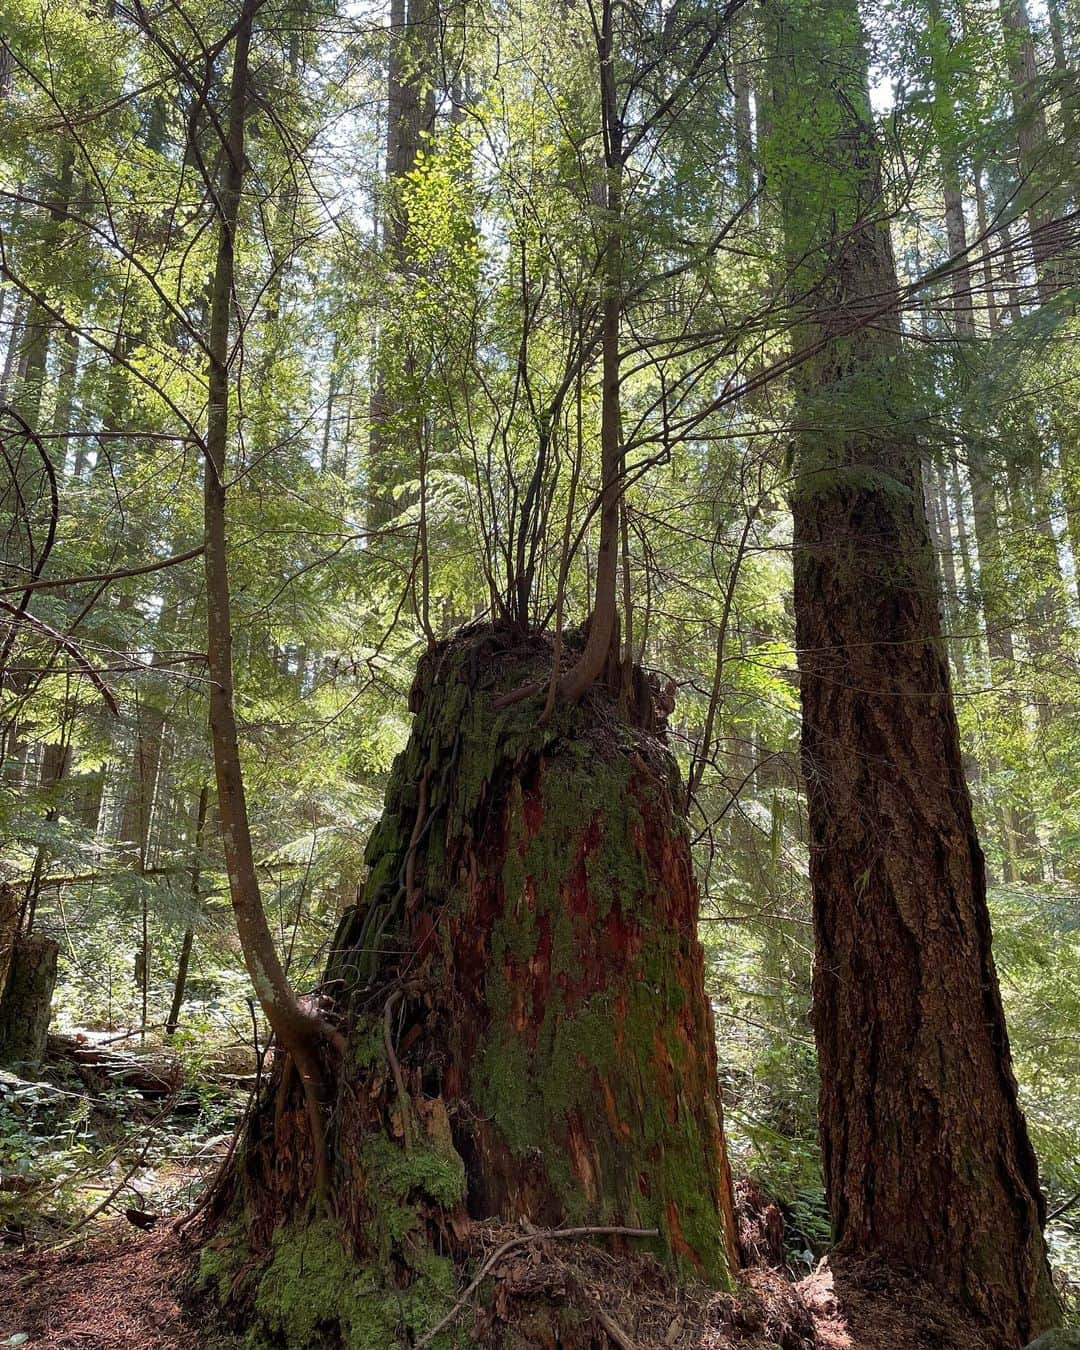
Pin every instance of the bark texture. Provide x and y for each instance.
(926, 1154)
(522, 990)
(10, 907)
(26, 1001)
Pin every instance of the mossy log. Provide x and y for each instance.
(522, 991)
(26, 1002)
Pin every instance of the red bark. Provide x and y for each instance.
(527, 943)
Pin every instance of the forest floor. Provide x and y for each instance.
(122, 1290)
(119, 1289)
(76, 1278)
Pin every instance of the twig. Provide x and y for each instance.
(614, 1331)
(541, 1236)
(83, 664)
(186, 1221)
(57, 583)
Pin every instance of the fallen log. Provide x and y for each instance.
(153, 1076)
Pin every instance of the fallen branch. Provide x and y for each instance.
(542, 1235)
(615, 1332)
(151, 1076)
(1064, 1207)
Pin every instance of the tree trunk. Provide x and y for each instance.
(528, 1031)
(1065, 75)
(603, 635)
(926, 1155)
(297, 1031)
(10, 909)
(1037, 173)
(412, 75)
(26, 1002)
(188, 941)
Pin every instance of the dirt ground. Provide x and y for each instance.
(120, 1290)
(115, 1290)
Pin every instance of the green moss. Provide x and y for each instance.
(314, 1292)
(503, 1091)
(533, 1082)
(222, 1264)
(367, 1045)
(437, 1173)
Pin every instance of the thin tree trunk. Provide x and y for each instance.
(1065, 74)
(603, 621)
(173, 1019)
(1031, 142)
(297, 1031)
(741, 65)
(410, 112)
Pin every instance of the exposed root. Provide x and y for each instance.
(395, 1068)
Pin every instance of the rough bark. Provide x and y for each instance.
(926, 1155)
(927, 1159)
(27, 999)
(528, 1032)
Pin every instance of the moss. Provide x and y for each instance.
(367, 1045)
(437, 1173)
(315, 1292)
(222, 1264)
(577, 1057)
(503, 1090)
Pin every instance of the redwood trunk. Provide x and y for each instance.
(526, 947)
(926, 1155)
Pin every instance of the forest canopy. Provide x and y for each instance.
(539, 620)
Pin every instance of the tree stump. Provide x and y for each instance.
(27, 999)
(522, 993)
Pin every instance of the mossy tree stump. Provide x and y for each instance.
(522, 991)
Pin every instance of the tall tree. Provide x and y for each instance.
(926, 1154)
(412, 65)
(299, 1031)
